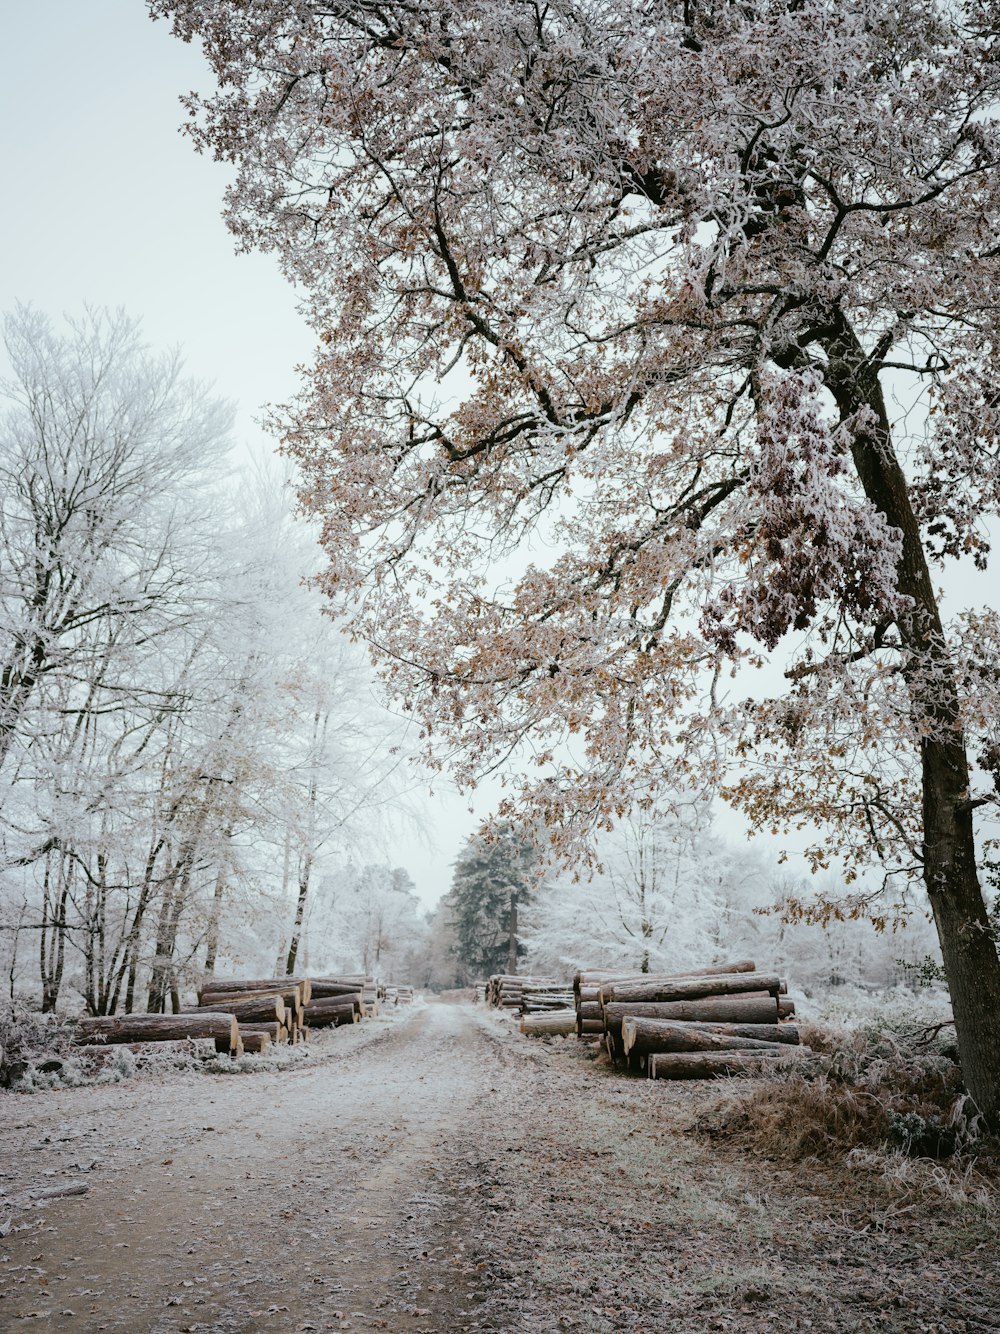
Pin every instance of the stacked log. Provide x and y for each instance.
(282, 1008)
(142, 1028)
(718, 1020)
(404, 995)
(368, 987)
(271, 1006)
(537, 997)
(372, 992)
(587, 987)
(506, 990)
(549, 1023)
(246, 1014)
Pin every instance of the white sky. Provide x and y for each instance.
(105, 202)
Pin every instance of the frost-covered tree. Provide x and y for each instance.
(662, 900)
(493, 880)
(374, 922)
(185, 735)
(103, 447)
(704, 298)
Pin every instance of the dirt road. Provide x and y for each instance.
(441, 1174)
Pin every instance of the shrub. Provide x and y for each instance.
(866, 1088)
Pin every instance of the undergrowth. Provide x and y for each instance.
(870, 1090)
(274, 1057)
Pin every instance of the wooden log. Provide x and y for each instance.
(352, 998)
(233, 1049)
(696, 988)
(266, 1009)
(643, 1036)
(322, 990)
(786, 1007)
(553, 1022)
(590, 1027)
(590, 1010)
(255, 1043)
(158, 1027)
(595, 977)
(759, 1009)
(324, 1014)
(276, 1032)
(292, 997)
(787, 1034)
(710, 1064)
(269, 985)
(104, 1051)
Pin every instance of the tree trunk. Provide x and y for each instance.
(713, 1009)
(641, 1036)
(157, 1027)
(710, 1064)
(971, 961)
(300, 912)
(669, 989)
(512, 936)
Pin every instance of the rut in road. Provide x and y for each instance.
(335, 1197)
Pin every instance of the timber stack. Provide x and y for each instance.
(508, 991)
(243, 1015)
(719, 1020)
(337, 1000)
(269, 1010)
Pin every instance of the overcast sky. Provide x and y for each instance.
(105, 202)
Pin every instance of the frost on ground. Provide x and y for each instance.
(441, 1173)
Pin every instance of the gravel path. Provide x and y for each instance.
(440, 1173)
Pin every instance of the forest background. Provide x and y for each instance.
(202, 774)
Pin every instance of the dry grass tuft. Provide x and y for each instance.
(863, 1089)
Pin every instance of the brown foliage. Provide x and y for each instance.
(861, 1089)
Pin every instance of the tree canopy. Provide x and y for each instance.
(656, 339)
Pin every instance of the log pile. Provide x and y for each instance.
(725, 1019)
(245, 1015)
(530, 995)
(345, 999)
(270, 1001)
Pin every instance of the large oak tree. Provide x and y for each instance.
(694, 304)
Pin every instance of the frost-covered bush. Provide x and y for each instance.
(272, 1059)
(876, 1086)
(27, 1040)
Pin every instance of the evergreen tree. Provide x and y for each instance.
(492, 878)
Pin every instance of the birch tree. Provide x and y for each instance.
(694, 306)
(100, 441)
